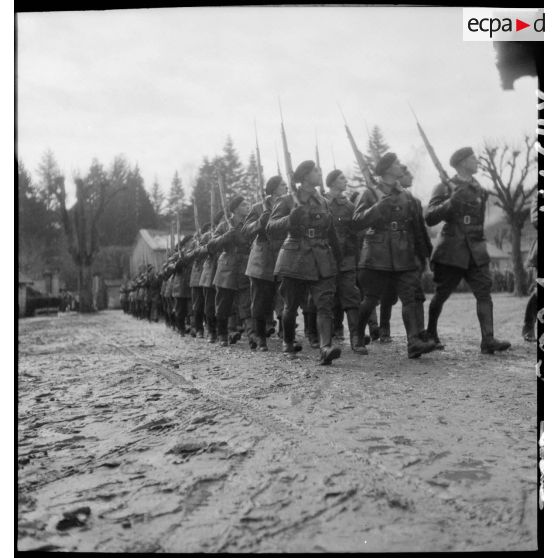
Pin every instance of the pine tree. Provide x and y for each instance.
(251, 180)
(232, 170)
(157, 197)
(177, 198)
(206, 177)
(376, 146)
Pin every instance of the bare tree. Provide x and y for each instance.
(508, 168)
(80, 224)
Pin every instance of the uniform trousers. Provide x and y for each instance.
(197, 307)
(447, 278)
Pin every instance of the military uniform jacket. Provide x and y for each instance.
(197, 261)
(182, 270)
(311, 250)
(264, 249)
(461, 240)
(342, 210)
(391, 237)
(233, 253)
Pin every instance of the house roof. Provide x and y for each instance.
(24, 280)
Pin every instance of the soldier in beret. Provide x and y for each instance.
(230, 280)
(181, 287)
(263, 255)
(389, 299)
(209, 267)
(307, 259)
(461, 252)
(389, 251)
(347, 295)
(199, 255)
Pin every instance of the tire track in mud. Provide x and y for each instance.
(377, 474)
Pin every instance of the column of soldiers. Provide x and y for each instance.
(328, 256)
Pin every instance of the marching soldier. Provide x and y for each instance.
(180, 290)
(263, 255)
(307, 259)
(389, 253)
(230, 280)
(389, 298)
(460, 252)
(195, 276)
(209, 267)
(347, 293)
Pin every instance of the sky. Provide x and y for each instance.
(164, 87)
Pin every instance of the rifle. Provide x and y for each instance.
(196, 220)
(261, 188)
(223, 198)
(365, 171)
(212, 207)
(322, 189)
(178, 233)
(288, 161)
(444, 176)
(277, 159)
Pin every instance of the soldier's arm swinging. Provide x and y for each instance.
(439, 206)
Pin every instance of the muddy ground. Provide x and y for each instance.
(134, 439)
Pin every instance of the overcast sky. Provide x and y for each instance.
(164, 87)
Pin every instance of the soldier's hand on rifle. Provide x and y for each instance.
(264, 218)
(296, 216)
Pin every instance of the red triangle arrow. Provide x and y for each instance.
(519, 25)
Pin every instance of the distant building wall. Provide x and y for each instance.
(142, 254)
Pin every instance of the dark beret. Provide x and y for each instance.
(205, 227)
(235, 202)
(303, 169)
(384, 163)
(332, 177)
(272, 184)
(460, 155)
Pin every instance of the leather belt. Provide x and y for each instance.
(313, 232)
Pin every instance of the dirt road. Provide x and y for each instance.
(134, 439)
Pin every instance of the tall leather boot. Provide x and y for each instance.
(489, 343)
(434, 311)
(288, 334)
(313, 338)
(415, 346)
(250, 333)
(234, 334)
(420, 319)
(212, 329)
(352, 319)
(530, 319)
(385, 317)
(222, 332)
(338, 330)
(328, 353)
(261, 334)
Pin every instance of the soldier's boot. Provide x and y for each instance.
(250, 329)
(530, 319)
(434, 311)
(270, 324)
(261, 335)
(222, 332)
(385, 328)
(352, 320)
(234, 334)
(363, 317)
(289, 335)
(328, 353)
(489, 343)
(338, 330)
(415, 345)
(313, 337)
(212, 330)
(373, 329)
